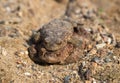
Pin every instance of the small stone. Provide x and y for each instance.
(77, 11)
(3, 51)
(94, 81)
(19, 62)
(26, 45)
(26, 52)
(99, 46)
(92, 52)
(6, 22)
(96, 59)
(113, 40)
(109, 41)
(107, 60)
(110, 53)
(66, 79)
(74, 72)
(89, 46)
(20, 14)
(8, 9)
(19, 66)
(21, 53)
(83, 63)
(27, 74)
(114, 57)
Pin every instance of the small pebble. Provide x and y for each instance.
(8, 9)
(21, 53)
(19, 66)
(96, 59)
(109, 41)
(83, 63)
(27, 74)
(113, 40)
(77, 11)
(114, 57)
(66, 79)
(99, 46)
(20, 14)
(94, 81)
(92, 52)
(3, 51)
(26, 52)
(110, 53)
(26, 45)
(107, 60)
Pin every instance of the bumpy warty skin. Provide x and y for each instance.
(55, 34)
(51, 42)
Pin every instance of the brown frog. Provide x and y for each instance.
(54, 42)
(65, 41)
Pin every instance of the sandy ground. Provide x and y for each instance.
(18, 18)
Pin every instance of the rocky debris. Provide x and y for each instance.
(87, 70)
(109, 73)
(3, 51)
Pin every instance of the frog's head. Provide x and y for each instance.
(56, 34)
(56, 41)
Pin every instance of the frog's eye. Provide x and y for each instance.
(59, 41)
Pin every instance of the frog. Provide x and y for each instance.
(55, 41)
(66, 41)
